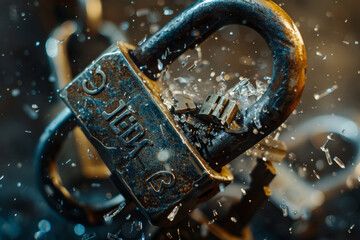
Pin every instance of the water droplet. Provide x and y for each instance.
(323, 147)
(221, 187)
(328, 157)
(326, 92)
(142, 12)
(163, 155)
(243, 191)
(351, 228)
(139, 226)
(124, 26)
(142, 41)
(316, 28)
(193, 66)
(173, 213)
(15, 92)
(31, 112)
(79, 229)
(195, 33)
(44, 225)
(168, 12)
(339, 162)
(330, 221)
(89, 153)
(331, 137)
(169, 235)
(160, 65)
(110, 215)
(316, 174)
(215, 213)
(221, 77)
(88, 236)
(257, 122)
(284, 209)
(186, 61)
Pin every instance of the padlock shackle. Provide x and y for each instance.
(48, 178)
(204, 17)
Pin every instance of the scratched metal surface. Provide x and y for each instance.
(128, 125)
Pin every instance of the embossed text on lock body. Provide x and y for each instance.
(125, 124)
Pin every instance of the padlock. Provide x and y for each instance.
(118, 106)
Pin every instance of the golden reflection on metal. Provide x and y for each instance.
(56, 48)
(93, 14)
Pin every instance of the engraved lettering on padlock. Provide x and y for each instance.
(129, 139)
(123, 123)
(130, 132)
(121, 106)
(161, 180)
(119, 118)
(94, 89)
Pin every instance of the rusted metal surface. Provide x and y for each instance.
(119, 108)
(199, 21)
(129, 126)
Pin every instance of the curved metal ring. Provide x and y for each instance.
(56, 195)
(328, 186)
(284, 40)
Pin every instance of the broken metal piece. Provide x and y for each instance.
(236, 128)
(219, 109)
(183, 103)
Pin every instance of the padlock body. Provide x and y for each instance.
(120, 111)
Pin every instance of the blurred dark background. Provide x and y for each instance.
(28, 94)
